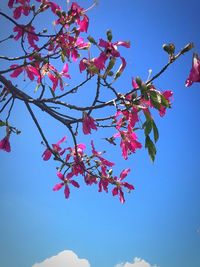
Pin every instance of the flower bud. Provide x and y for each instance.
(169, 48)
(33, 7)
(63, 13)
(58, 13)
(187, 48)
(138, 81)
(110, 73)
(109, 35)
(91, 40)
(111, 63)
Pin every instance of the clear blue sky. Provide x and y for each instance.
(160, 221)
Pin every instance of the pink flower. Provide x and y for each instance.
(77, 12)
(99, 62)
(83, 64)
(5, 144)
(83, 24)
(88, 123)
(97, 154)
(65, 182)
(134, 84)
(194, 75)
(11, 3)
(77, 166)
(111, 48)
(30, 71)
(54, 75)
(119, 184)
(167, 95)
(54, 7)
(129, 117)
(56, 148)
(90, 179)
(129, 142)
(24, 7)
(28, 31)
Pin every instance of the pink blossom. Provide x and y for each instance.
(21, 10)
(134, 84)
(111, 48)
(117, 190)
(54, 7)
(103, 185)
(97, 154)
(30, 71)
(28, 31)
(88, 124)
(77, 12)
(194, 75)
(83, 24)
(77, 166)
(83, 64)
(24, 8)
(56, 148)
(65, 182)
(167, 95)
(69, 45)
(129, 142)
(11, 3)
(99, 62)
(90, 179)
(5, 144)
(54, 75)
(128, 116)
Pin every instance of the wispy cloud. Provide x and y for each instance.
(66, 258)
(137, 262)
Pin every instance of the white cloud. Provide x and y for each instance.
(137, 262)
(66, 258)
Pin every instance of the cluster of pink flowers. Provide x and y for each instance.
(67, 44)
(109, 51)
(77, 163)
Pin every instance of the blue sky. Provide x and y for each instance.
(160, 221)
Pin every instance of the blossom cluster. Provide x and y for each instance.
(132, 111)
(95, 169)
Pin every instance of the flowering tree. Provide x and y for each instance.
(99, 61)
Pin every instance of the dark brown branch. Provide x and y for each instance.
(71, 91)
(184, 50)
(10, 109)
(26, 98)
(6, 104)
(97, 94)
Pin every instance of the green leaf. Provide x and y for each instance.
(151, 147)
(2, 123)
(37, 87)
(155, 131)
(62, 57)
(147, 127)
